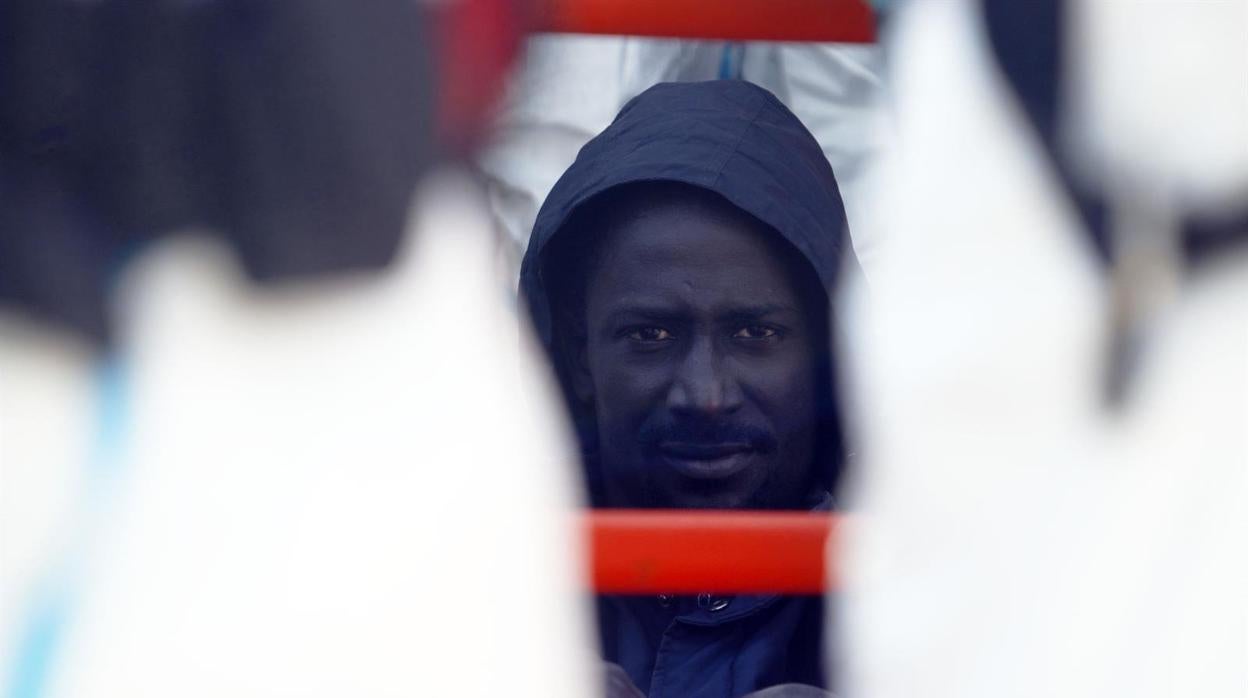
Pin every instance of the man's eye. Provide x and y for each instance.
(756, 332)
(648, 334)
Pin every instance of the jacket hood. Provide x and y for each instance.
(731, 137)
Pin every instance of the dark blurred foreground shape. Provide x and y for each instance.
(1031, 44)
(1034, 48)
(296, 131)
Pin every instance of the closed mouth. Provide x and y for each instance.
(702, 451)
(705, 461)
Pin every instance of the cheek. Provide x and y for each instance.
(624, 394)
(786, 390)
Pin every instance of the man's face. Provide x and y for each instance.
(699, 361)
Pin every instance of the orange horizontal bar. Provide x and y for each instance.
(844, 21)
(687, 552)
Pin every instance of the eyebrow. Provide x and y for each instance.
(761, 310)
(745, 312)
(644, 311)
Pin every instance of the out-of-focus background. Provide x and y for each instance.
(257, 306)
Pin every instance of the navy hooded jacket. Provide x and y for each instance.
(737, 140)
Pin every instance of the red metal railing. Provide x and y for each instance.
(845, 21)
(675, 552)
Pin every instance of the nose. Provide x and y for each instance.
(702, 383)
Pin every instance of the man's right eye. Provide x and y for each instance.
(647, 334)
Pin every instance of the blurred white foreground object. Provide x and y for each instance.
(1012, 538)
(48, 417)
(1158, 97)
(359, 487)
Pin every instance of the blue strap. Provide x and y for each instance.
(50, 612)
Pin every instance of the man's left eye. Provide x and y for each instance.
(648, 334)
(756, 332)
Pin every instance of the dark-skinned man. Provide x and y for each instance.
(679, 275)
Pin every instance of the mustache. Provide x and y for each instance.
(702, 430)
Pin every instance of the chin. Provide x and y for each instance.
(710, 500)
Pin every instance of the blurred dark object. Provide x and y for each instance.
(297, 131)
(1145, 249)
(1029, 42)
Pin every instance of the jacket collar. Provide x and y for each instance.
(712, 609)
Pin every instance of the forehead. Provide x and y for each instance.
(687, 255)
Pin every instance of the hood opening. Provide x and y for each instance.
(569, 257)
